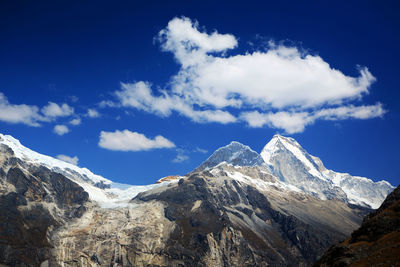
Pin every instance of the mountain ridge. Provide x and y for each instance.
(288, 160)
(282, 156)
(226, 215)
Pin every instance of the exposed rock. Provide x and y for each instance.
(168, 178)
(37, 202)
(375, 243)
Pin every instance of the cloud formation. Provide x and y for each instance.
(294, 122)
(60, 129)
(31, 115)
(76, 121)
(132, 141)
(72, 160)
(53, 110)
(22, 113)
(92, 113)
(181, 156)
(280, 87)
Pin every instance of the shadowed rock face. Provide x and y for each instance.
(375, 243)
(32, 203)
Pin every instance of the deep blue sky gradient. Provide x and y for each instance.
(51, 50)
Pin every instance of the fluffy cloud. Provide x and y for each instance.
(53, 110)
(60, 129)
(189, 45)
(92, 113)
(132, 141)
(139, 95)
(25, 114)
(294, 122)
(281, 87)
(76, 121)
(72, 160)
(291, 122)
(30, 114)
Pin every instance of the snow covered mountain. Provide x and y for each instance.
(238, 208)
(282, 157)
(235, 153)
(296, 169)
(295, 166)
(103, 191)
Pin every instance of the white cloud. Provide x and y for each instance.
(355, 112)
(60, 129)
(132, 141)
(30, 114)
(53, 110)
(294, 122)
(22, 113)
(92, 113)
(76, 121)
(72, 160)
(181, 156)
(280, 87)
(189, 45)
(200, 150)
(107, 103)
(290, 122)
(139, 95)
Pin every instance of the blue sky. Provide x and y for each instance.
(138, 90)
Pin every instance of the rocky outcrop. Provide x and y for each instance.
(33, 202)
(375, 243)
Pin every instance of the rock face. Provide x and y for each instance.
(375, 243)
(33, 202)
(236, 209)
(208, 219)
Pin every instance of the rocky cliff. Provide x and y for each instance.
(34, 201)
(375, 243)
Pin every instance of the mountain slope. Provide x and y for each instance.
(234, 211)
(375, 243)
(295, 166)
(209, 218)
(33, 201)
(103, 191)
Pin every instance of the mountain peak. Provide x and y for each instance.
(295, 166)
(234, 153)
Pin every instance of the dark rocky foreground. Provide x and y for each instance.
(375, 243)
